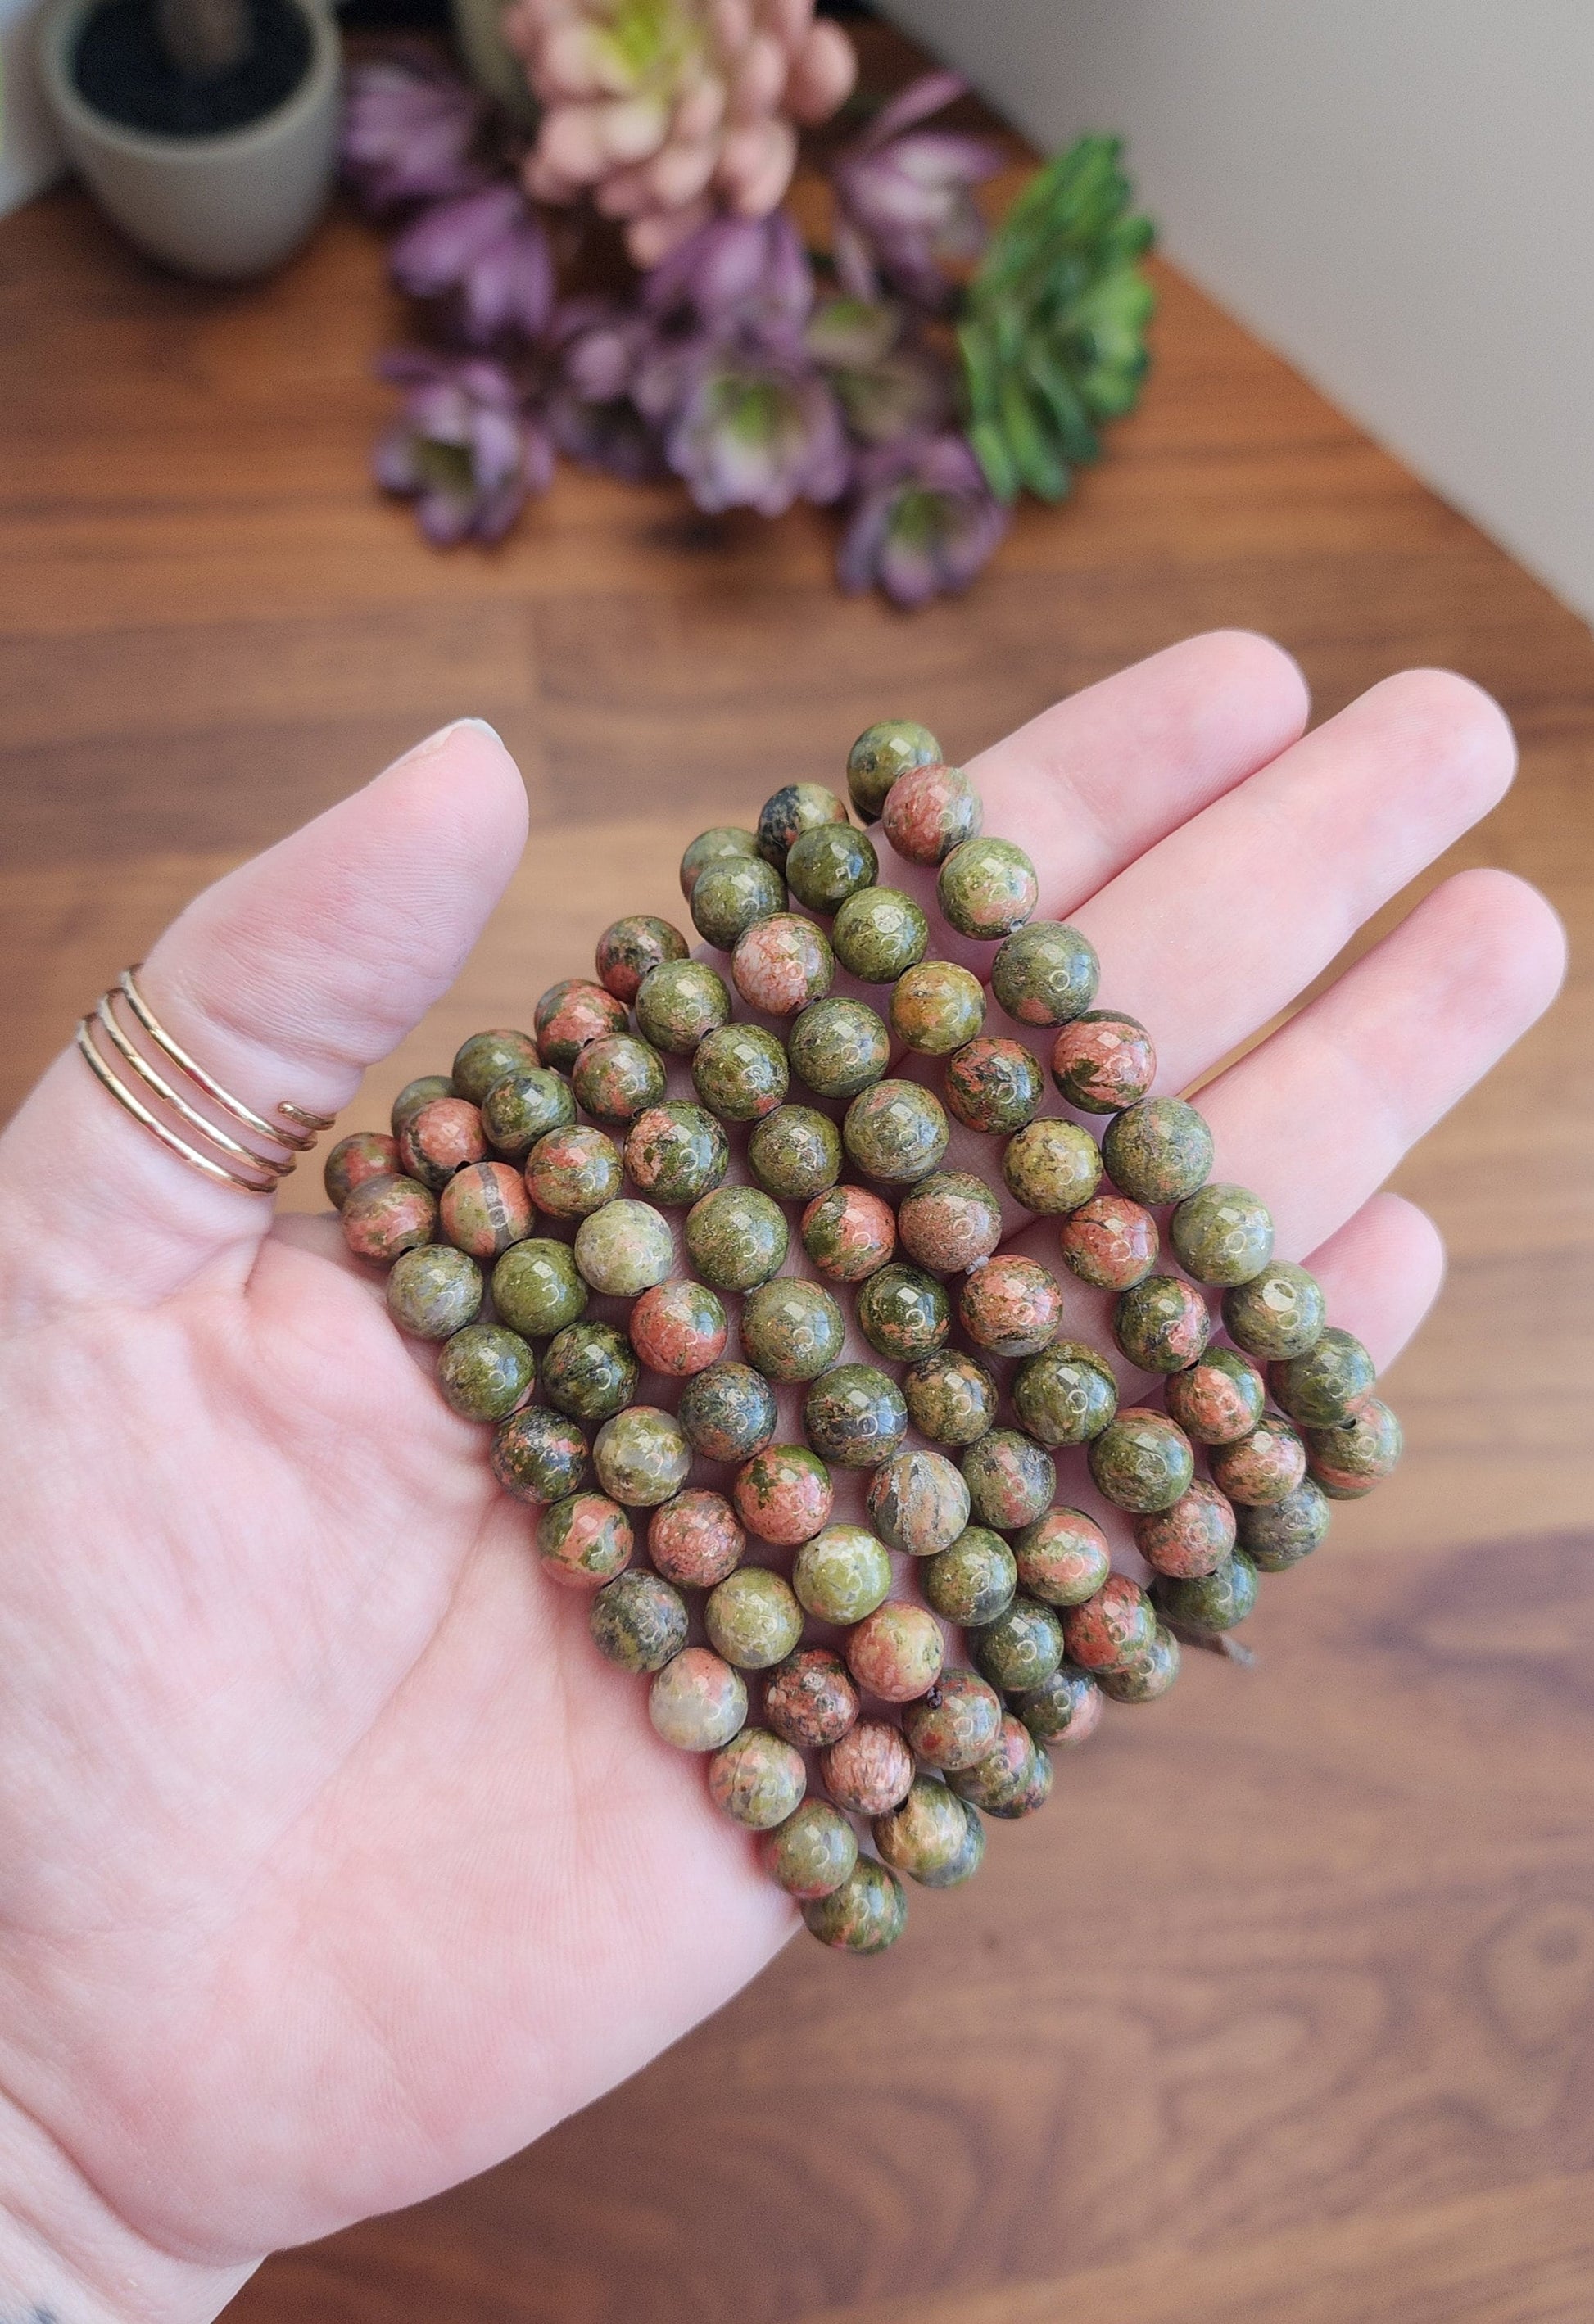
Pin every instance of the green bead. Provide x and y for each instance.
(1110, 1628)
(525, 1106)
(937, 1007)
(994, 1085)
(926, 1833)
(1275, 1535)
(1065, 1394)
(1005, 1782)
(728, 1411)
(638, 1621)
(829, 862)
(571, 1013)
(1142, 1460)
(950, 1222)
(752, 1619)
(897, 1131)
(414, 1095)
(723, 844)
(1149, 1675)
(538, 1456)
(918, 1503)
(1161, 1324)
(841, 1574)
(589, 1372)
(791, 1330)
(1348, 1460)
(624, 1249)
(1222, 1234)
(957, 1724)
(849, 1232)
(1064, 1709)
(486, 1057)
(756, 1779)
(838, 1048)
(784, 1495)
(618, 1077)
(812, 1853)
(869, 1910)
(1022, 1647)
(1323, 1388)
(1219, 1397)
(740, 1072)
(794, 808)
(484, 1371)
(584, 1540)
(795, 1153)
(1045, 974)
(951, 1398)
(629, 950)
(1011, 1478)
(878, 933)
(855, 1416)
(387, 1214)
(572, 1173)
(882, 752)
(736, 1236)
(536, 1288)
(679, 1002)
(967, 1862)
(731, 895)
(1052, 1165)
(1279, 1314)
(434, 1291)
(970, 1583)
(641, 1457)
(676, 1152)
(987, 887)
(1158, 1151)
(903, 1313)
(1209, 1603)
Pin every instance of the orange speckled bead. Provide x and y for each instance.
(678, 1328)
(1012, 1306)
(956, 1723)
(1217, 1398)
(617, 1077)
(950, 1222)
(918, 1502)
(810, 1700)
(784, 1494)
(756, 1779)
(1109, 1242)
(584, 1540)
(1264, 1466)
(570, 1014)
(849, 1233)
(440, 1140)
(572, 1173)
(628, 948)
(388, 1215)
(1192, 1537)
(1112, 1627)
(696, 1539)
(929, 811)
(869, 1770)
(484, 1208)
(896, 1652)
(368, 1154)
(1348, 1460)
(1006, 1781)
(994, 1085)
(1062, 1557)
(1104, 1061)
(781, 964)
(812, 1853)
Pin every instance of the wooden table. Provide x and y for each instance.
(1318, 2045)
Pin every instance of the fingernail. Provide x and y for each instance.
(435, 741)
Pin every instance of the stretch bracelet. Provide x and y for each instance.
(522, 1203)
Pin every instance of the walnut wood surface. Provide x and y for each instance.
(1286, 2009)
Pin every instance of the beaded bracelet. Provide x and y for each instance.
(536, 1175)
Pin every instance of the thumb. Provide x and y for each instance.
(284, 981)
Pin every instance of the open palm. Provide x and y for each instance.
(334, 1865)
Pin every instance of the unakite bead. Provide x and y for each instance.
(956, 1723)
(1209, 1603)
(950, 1222)
(1112, 1627)
(572, 1173)
(970, 1583)
(434, 1291)
(1279, 1314)
(725, 843)
(792, 1330)
(583, 1541)
(1162, 1324)
(731, 894)
(697, 1702)
(810, 1699)
(740, 1071)
(1067, 1394)
(854, 1415)
(903, 1313)
(484, 1371)
(1325, 1386)
(1065, 1710)
(812, 1853)
(1104, 1061)
(987, 887)
(638, 1621)
(570, 1014)
(1192, 1537)
(589, 1371)
(1267, 1465)
(1045, 974)
(838, 1048)
(1157, 1151)
(484, 1208)
(414, 1096)
(624, 1249)
(679, 1003)
(1142, 1460)
(1348, 1460)
(951, 1398)
(1219, 1397)
(367, 1154)
(866, 1914)
(1149, 1675)
(616, 1077)
(994, 1085)
(1052, 1165)
(896, 1652)
(387, 1215)
(441, 1139)
(848, 1234)
(1062, 1557)
(931, 810)
(1278, 1534)
(882, 753)
(752, 1618)
(641, 1457)
(737, 1237)
(536, 1289)
(538, 1455)
(696, 1539)
(523, 1106)
(1012, 1306)
(1109, 1242)
(1222, 1234)
(829, 864)
(841, 1574)
(482, 1062)
(1010, 1478)
(794, 808)
(678, 1328)
(967, 1862)
(937, 1007)
(675, 1153)
(1022, 1647)
(926, 1834)
(756, 1780)
(795, 1153)
(631, 948)
(897, 1131)
(878, 933)
(728, 1412)
(781, 964)
(918, 1502)
(1005, 1775)
(784, 1494)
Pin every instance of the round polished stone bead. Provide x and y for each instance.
(896, 1652)
(1052, 1165)
(538, 1455)
(784, 1494)
(616, 1077)
(414, 1095)
(794, 808)
(676, 1153)
(1209, 1603)
(1111, 1629)
(1104, 1061)
(679, 1003)
(624, 1249)
(812, 1853)
(523, 1106)
(697, 1702)
(829, 862)
(572, 1173)
(737, 1237)
(441, 1139)
(931, 810)
(1022, 1647)
(730, 895)
(1045, 974)
(1067, 1394)
(1162, 1324)
(925, 1835)
(838, 1048)
(641, 1457)
(918, 1503)
(1026, 1798)
(1279, 1314)
(897, 1131)
(781, 964)
(1158, 1151)
(970, 1583)
(1348, 1460)
(696, 1539)
(994, 1085)
(883, 752)
(878, 933)
(367, 1154)
(848, 1234)
(725, 843)
(903, 1313)
(1192, 1537)
(950, 1222)
(638, 1621)
(740, 1071)
(484, 1208)
(570, 1014)
(728, 1412)
(1062, 1557)
(810, 1699)
(854, 1415)
(678, 1328)
(589, 1371)
(795, 1153)
(1007, 1776)
(792, 1330)
(937, 1008)
(631, 948)
(1264, 1466)
(584, 1540)
(866, 1914)
(434, 1292)
(756, 1779)
(841, 1574)
(1065, 1710)
(967, 1862)
(1325, 1386)
(1149, 1675)
(1010, 1478)
(1219, 1397)
(1012, 1306)
(987, 887)
(957, 1724)
(752, 1618)
(951, 1398)
(1278, 1534)
(1142, 1460)
(484, 1371)
(1109, 1242)
(536, 1289)
(482, 1061)
(1222, 1234)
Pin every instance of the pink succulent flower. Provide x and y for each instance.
(464, 450)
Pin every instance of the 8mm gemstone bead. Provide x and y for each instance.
(1052, 1165)
(697, 1702)
(841, 1574)
(1222, 1234)
(795, 807)
(1010, 1478)
(740, 1071)
(809, 1698)
(696, 1539)
(728, 896)
(826, 865)
(678, 1328)
(1158, 1151)
(882, 753)
(536, 1289)
(903, 1313)
(584, 1540)
(918, 1502)
(781, 964)
(878, 933)
(848, 1234)
(1161, 1325)
(1280, 1313)
(728, 1412)
(1109, 1242)
(867, 1913)
(950, 1222)
(367, 1154)
(434, 1292)
(679, 1003)
(736, 1236)
(812, 1853)
(1045, 974)
(970, 1583)
(987, 887)
(1217, 1398)
(1104, 1061)
(572, 1173)
(624, 1249)
(1012, 1306)
(937, 1007)
(617, 1077)
(1062, 1557)
(523, 1106)
(484, 1208)
(486, 1057)
(756, 1779)
(957, 1724)
(854, 1415)
(838, 1048)
(895, 1131)
(791, 1330)
(1348, 1460)
(484, 1371)
(538, 1456)
(676, 1153)
(722, 844)
(1325, 1386)
(589, 1371)
(1142, 1460)
(629, 949)
(929, 811)
(795, 1153)
(637, 1621)
(951, 1398)
(994, 1085)
(570, 1014)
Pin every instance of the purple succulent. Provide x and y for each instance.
(904, 199)
(925, 520)
(750, 427)
(487, 252)
(408, 131)
(890, 384)
(746, 276)
(595, 419)
(465, 451)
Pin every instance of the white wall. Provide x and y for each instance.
(1397, 194)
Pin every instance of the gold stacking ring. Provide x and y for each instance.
(294, 1131)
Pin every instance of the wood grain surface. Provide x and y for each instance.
(1286, 2009)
